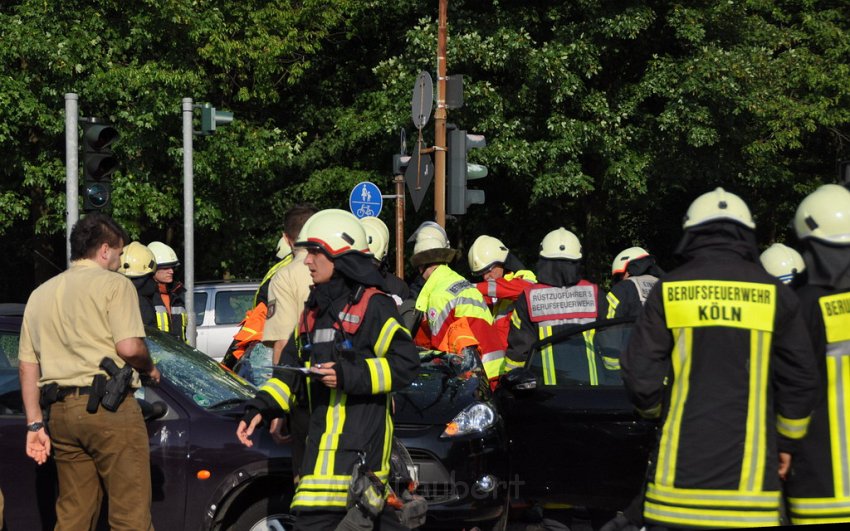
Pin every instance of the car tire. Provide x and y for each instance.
(267, 514)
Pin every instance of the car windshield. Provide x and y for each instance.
(436, 361)
(197, 375)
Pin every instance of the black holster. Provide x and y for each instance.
(116, 388)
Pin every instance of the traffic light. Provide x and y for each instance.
(210, 118)
(459, 172)
(99, 163)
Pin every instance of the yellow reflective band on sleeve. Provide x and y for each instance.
(698, 303)
(792, 428)
(613, 302)
(511, 364)
(650, 413)
(389, 428)
(755, 441)
(494, 363)
(836, 317)
(380, 375)
(385, 337)
(665, 471)
(278, 390)
(612, 364)
(516, 322)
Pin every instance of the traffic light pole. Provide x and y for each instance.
(188, 221)
(440, 121)
(72, 169)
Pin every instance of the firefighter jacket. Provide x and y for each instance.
(818, 488)
(627, 297)
(447, 298)
(721, 354)
(501, 294)
(170, 307)
(146, 288)
(543, 310)
(359, 331)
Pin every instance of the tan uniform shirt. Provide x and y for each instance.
(288, 292)
(74, 320)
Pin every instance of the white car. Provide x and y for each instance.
(219, 308)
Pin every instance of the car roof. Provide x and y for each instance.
(224, 284)
(12, 308)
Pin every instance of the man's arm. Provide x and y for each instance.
(134, 351)
(38, 443)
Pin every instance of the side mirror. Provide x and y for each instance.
(520, 379)
(153, 411)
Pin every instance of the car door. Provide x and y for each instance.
(574, 442)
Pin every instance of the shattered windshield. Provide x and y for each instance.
(197, 375)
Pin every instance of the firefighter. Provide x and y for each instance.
(561, 297)
(350, 338)
(504, 279)
(784, 263)
(818, 488)
(139, 264)
(379, 242)
(169, 299)
(636, 266)
(721, 356)
(454, 316)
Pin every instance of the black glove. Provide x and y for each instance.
(265, 406)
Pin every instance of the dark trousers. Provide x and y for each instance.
(329, 521)
(96, 452)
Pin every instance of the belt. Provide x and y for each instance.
(65, 392)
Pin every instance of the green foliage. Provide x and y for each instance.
(604, 117)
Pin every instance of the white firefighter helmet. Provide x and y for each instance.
(717, 205)
(432, 246)
(622, 260)
(825, 215)
(334, 231)
(137, 260)
(561, 244)
(282, 249)
(485, 252)
(165, 255)
(430, 229)
(378, 235)
(782, 262)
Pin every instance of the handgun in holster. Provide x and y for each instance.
(116, 387)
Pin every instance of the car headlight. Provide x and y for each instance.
(474, 418)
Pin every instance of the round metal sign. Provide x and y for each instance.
(365, 200)
(423, 100)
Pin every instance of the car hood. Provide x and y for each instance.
(443, 388)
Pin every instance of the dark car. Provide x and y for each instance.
(202, 477)
(448, 421)
(574, 444)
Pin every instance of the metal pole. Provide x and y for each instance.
(440, 120)
(72, 170)
(188, 222)
(399, 226)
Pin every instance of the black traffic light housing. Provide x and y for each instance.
(99, 163)
(459, 171)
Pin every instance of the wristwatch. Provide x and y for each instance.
(35, 426)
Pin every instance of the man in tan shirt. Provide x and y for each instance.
(71, 323)
(289, 287)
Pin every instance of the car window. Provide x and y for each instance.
(590, 356)
(8, 349)
(198, 376)
(230, 306)
(200, 306)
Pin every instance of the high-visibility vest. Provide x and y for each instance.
(552, 306)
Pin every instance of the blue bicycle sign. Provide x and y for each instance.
(365, 200)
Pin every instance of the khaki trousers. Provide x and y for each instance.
(96, 452)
